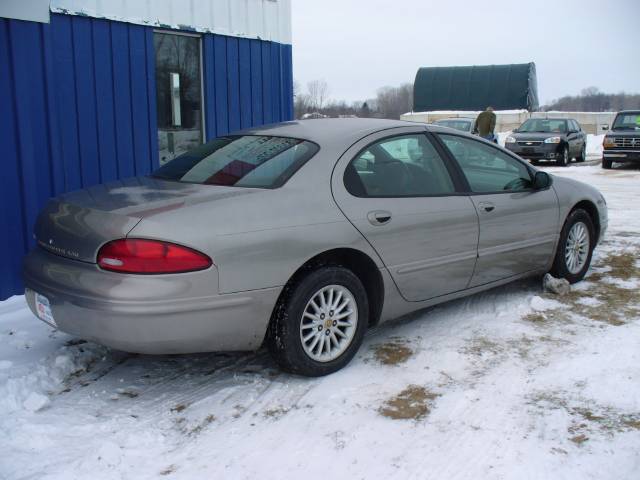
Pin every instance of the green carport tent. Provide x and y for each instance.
(503, 87)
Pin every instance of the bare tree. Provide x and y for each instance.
(394, 101)
(390, 102)
(301, 101)
(591, 99)
(318, 91)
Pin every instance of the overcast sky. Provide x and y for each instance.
(358, 46)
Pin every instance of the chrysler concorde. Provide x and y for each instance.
(300, 236)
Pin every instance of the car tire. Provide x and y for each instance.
(583, 154)
(563, 159)
(292, 321)
(572, 261)
(607, 164)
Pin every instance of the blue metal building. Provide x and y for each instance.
(95, 91)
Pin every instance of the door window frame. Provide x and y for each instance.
(469, 191)
(459, 183)
(203, 119)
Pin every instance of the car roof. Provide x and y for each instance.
(329, 130)
(637, 112)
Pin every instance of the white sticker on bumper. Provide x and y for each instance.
(43, 307)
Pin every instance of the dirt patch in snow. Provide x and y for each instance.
(588, 418)
(393, 352)
(191, 429)
(178, 408)
(547, 317)
(608, 300)
(481, 345)
(617, 304)
(622, 265)
(169, 470)
(412, 403)
(276, 412)
(202, 425)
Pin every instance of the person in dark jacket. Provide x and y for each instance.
(485, 124)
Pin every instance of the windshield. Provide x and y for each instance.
(257, 161)
(543, 125)
(627, 121)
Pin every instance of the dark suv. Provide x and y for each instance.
(558, 139)
(622, 142)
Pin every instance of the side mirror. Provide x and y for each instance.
(605, 126)
(541, 180)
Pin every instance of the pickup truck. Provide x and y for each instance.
(622, 142)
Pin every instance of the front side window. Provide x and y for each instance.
(486, 168)
(257, 161)
(403, 166)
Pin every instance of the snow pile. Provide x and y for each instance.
(502, 136)
(35, 361)
(559, 286)
(594, 145)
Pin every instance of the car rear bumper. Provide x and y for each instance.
(622, 155)
(156, 314)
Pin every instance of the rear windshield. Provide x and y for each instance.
(543, 125)
(627, 121)
(257, 161)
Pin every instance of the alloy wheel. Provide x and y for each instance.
(328, 323)
(576, 248)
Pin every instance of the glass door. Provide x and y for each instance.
(179, 93)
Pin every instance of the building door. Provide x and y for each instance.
(179, 93)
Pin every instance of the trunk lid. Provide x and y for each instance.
(76, 224)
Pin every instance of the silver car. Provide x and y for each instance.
(301, 235)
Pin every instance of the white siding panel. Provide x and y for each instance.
(31, 10)
(265, 19)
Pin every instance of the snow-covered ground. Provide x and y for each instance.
(511, 383)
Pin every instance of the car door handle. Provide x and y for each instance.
(379, 217)
(486, 206)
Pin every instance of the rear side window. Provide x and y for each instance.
(257, 161)
(403, 166)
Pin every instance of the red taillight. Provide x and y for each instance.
(137, 255)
